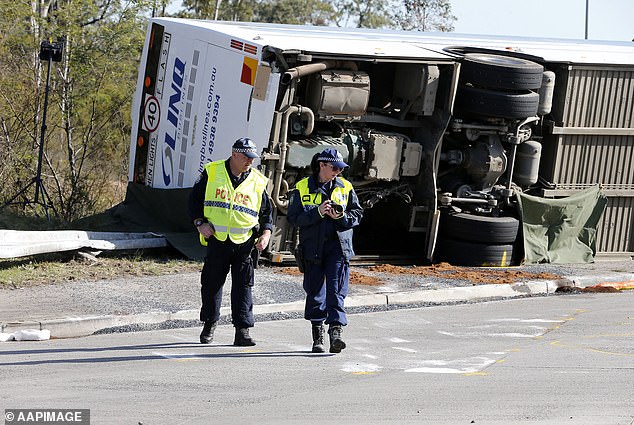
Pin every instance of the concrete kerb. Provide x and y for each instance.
(83, 326)
(585, 281)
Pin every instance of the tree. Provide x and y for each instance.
(225, 10)
(311, 12)
(425, 15)
(363, 13)
(91, 90)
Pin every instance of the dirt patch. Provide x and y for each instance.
(293, 271)
(476, 275)
(591, 289)
(356, 278)
(443, 271)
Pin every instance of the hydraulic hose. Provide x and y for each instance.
(278, 181)
(312, 68)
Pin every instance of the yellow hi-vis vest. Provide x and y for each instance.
(233, 212)
(339, 194)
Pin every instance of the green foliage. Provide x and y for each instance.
(423, 15)
(363, 13)
(309, 12)
(426, 15)
(88, 117)
(225, 10)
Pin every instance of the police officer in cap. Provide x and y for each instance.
(325, 207)
(227, 204)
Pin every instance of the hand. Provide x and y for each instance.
(324, 208)
(329, 210)
(263, 240)
(206, 229)
(332, 214)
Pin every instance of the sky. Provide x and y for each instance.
(607, 19)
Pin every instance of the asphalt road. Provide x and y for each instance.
(565, 359)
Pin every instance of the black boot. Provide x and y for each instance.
(336, 343)
(319, 338)
(207, 335)
(242, 338)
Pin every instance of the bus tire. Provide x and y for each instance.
(485, 102)
(500, 72)
(463, 253)
(480, 229)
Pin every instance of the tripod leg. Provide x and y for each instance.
(24, 189)
(45, 199)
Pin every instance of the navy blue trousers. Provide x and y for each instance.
(326, 286)
(222, 256)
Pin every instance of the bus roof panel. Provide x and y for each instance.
(413, 44)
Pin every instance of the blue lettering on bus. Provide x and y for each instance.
(178, 76)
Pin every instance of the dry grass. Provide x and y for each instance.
(51, 269)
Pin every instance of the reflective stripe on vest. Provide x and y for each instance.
(233, 212)
(339, 195)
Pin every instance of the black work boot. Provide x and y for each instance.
(242, 338)
(207, 335)
(336, 343)
(319, 337)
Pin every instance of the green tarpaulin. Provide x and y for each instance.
(561, 230)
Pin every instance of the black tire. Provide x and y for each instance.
(500, 72)
(484, 102)
(479, 229)
(463, 253)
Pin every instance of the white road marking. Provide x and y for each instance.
(179, 356)
(528, 320)
(504, 334)
(468, 365)
(360, 367)
(408, 350)
(516, 335)
(398, 340)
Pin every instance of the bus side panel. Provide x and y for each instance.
(195, 101)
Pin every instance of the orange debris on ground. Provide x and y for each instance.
(356, 278)
(445, 271)
(479, 275)
(617, 286)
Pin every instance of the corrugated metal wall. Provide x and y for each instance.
(585, 160)
(600, 98)
(593, 143)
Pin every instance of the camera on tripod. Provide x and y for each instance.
(50, 50)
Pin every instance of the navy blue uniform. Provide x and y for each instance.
(221, 256)
(326, 244)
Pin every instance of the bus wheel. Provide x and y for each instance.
(463, 253)
(485, 102)
(500, 72)
(482, 229)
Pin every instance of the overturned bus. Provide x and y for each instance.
(453, 141)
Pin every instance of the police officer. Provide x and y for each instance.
(325, 207)
(227, 204)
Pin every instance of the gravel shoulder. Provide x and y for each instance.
(172, 292)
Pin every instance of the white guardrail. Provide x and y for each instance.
(16, 243)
